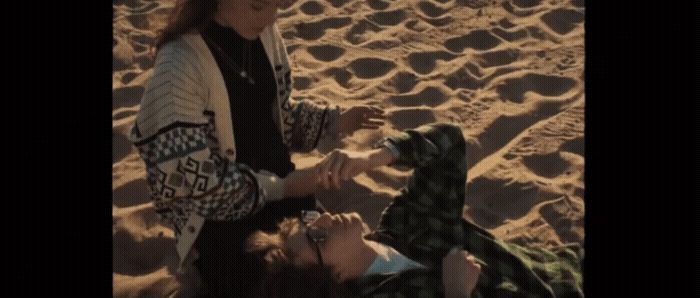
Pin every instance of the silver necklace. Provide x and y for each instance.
(248, 75)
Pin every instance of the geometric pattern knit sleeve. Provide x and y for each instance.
(174, 135)
(307, 122)
(304, 122)
(310, 123)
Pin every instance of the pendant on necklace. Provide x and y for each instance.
(245, 76)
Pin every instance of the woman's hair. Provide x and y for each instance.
(187, 15)
(282, 278)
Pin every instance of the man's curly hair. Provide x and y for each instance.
(282, 278)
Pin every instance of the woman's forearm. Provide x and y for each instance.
(304, 182)
(380, 157)
(300, 183)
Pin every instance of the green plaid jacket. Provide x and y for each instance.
(425, 221)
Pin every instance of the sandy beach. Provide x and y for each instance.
(510, 73)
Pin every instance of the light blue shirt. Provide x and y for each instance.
(389, 260)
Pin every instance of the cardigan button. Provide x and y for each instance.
(229, 151)
(191, 229)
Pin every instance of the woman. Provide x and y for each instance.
(222, 64)
(422, 246)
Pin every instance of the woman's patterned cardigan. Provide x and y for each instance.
(184, 134)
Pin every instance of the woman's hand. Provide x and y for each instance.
(301, 183)
(460, 272)
(342, 165)
(358, 117)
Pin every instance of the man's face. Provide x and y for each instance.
(344, 236)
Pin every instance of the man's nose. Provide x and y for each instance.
(324, 220)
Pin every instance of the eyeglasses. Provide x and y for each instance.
(316, 236)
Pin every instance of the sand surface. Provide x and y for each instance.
(509, 73)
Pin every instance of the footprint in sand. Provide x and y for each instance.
(127, 77)
(512, 35)
(145, 61)
(430, 96)
(139, 21)
(403, 81)
(302, 83)
(337, 3)
(505, 23)
(121, 146)
(312, 8)
(478, 40)
(137, 254)
(138, 6)
(382, 44)
(417, 25)
(562, 132)
(431, 10)
(361, 31)
(522, 9)
(474, 4)
(526, 3)
(143, 216)
(440, 22)
(494, 200)
(514, 89)
(378, 4)
(562, 21)
(474, 69)
(411, 118)
(576, 146)
(292, 48)
(548, 165)
(565, 216)
(506, 127)
(326, 53)
(536, 33)
(315, 30)
(566, 63)
(131, 194)
(463, 78)
(388, 18)
(369, 68)
(341, 75)
(140, 48)
(424, 63)
(123, 55)
(498, 58)
(142, 39)
(127, 96)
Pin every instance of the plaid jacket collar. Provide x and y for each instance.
(428, 282)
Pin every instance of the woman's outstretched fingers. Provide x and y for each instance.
(347, 171)
(325, 169)
(370, 124)
(319, 171)
(378, 111)
(335, 170)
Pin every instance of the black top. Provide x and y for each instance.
(226, 270)
(258, 139)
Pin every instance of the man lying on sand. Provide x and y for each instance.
(422, 246)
